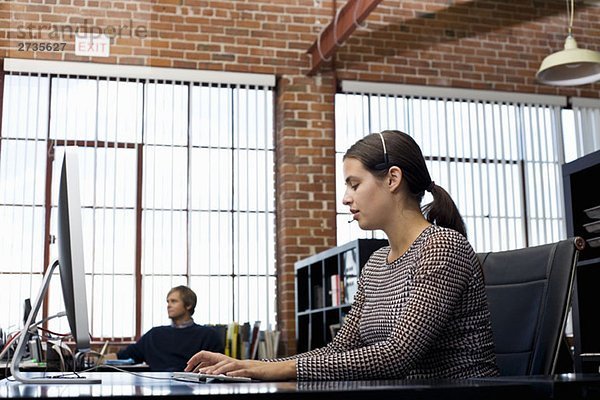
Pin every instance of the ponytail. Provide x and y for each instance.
(442, 211)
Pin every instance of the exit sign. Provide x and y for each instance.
(92, 45)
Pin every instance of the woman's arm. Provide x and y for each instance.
(216, 363)
(348, 337)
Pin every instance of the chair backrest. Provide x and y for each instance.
(529, 293)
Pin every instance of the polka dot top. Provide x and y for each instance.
(424, 315)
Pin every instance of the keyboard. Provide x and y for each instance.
(198, 377)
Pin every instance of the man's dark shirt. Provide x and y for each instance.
(168, 348)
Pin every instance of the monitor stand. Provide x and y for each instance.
(14, 368)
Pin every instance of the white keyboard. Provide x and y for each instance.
(198, 377)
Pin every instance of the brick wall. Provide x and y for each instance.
(305, 182)
(481, 44)
(485, 44)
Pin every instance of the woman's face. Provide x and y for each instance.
(367, 196)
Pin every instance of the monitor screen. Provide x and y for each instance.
(70, 250)
(26, 310)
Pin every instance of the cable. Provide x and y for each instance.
(335, 22)
(8, 344)
(18, 333)
(319, 47)
(6, 348)
(10, 340)
(54, 333)
(57, 348)
(85, 359)
(570, 12)
(335, 39)
(129, 372)
(57, 315)
(358, 26)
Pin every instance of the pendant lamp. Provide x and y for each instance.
(571, 66)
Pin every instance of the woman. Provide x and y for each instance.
(420, 310)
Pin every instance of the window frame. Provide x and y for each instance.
(138, 274)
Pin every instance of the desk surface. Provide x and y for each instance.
(28, 366)
(159, 384)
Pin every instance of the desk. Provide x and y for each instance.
(34, 367)
(25, 366)
(143, 367)
(123, 385)
(563, 386)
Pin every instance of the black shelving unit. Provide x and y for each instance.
(581, 180)
(319, 307)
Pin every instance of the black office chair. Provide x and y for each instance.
(529, 294)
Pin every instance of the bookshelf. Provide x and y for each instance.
(580, 180)
(325, 286)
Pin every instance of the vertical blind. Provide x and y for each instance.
(586, 124)
(177, 187)
(499, 160)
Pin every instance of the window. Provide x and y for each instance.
(176, 185)
(500, 160)
(582, 128)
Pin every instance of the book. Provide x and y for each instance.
(350, 263)
(254, 340)
(335, 290)
(235, 348)
(221, 330)
(271, 339)
(245, 336)
(244, 350)
(351, 272)
(275, 339)
(317, 296)
(231, 345)
(262, 350)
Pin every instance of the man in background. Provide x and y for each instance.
(169, 347)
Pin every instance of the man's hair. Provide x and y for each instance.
(187, 296)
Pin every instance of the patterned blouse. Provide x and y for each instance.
(425, 315)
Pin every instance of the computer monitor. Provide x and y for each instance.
(70, 250)
(72, 273)
(26, 309)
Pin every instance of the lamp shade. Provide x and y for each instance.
(571, 66)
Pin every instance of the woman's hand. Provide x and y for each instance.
(207, 362)
(203, 360)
